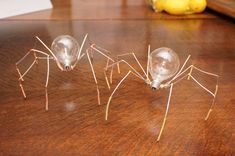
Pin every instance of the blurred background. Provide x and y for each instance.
(105, 9)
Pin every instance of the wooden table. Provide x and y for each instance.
(74, 123)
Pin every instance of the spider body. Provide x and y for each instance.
(66, 52)
(162, 72)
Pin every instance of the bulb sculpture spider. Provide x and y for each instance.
(163, 64)
(66, 52)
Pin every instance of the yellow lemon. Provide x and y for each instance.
(176, 7)
(159, 5)
(197, 5)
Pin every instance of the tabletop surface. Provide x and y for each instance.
(75, 124)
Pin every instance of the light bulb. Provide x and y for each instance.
(65, 49)
(163, 64)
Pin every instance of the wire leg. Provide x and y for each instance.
(210, 110)
(118, 68)
(106, 79)
(105, 74)
(94, 76)
(203, 87)
(111, 76)
(22, 89)
(167, 108)
(133, 54)
(35, 61)
(190, 73)
(21, 77)
(36, 58)
(18, 71)
(180, 71)
(133, 69)
(213, 102)
(46, 95)
(147, 70)
(97, 50)
(110, 98)
(91, 55)
(47, 79)
(213, 94)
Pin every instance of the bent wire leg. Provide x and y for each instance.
(110, 98)
(22, 75)
(98, 50)
(138, 62)
(110, 80)
(134, 71)
(105, 74)
(94, 76)
(147, 70)
(210, 92)
(47, 79)
(189, 75)
(167, 108)
(181, 70)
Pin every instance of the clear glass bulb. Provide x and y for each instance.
(65, 49)
(163, 64)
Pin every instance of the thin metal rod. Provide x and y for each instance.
(147, 70)
(22, 75)
(92, 69)
(17, 69)
(107, 51)
(180, 73)
(118, 68)
(23, 58)
(202, 86)
(36, 58)
(110, 98)
(98, 94)
(39, 51)
(45, 58)
(106, 79)
(133, 54)
(46, 47)
(48, 71)
(80, 50)
(190, 72)
(210, 92)
(111, 76)
(46, 95)
(31, 50)
(28, 69)
(97, 50)
(167, 108)
(94, 76)
(180, 79)
(213, 103)
(105, 74)
(134, 70)
(22, 89)
(107, 64)
(205, 72)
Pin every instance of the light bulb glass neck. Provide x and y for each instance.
(156, 84)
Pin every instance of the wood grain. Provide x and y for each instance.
(225, 7)
(75, 125)
(104, 10)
